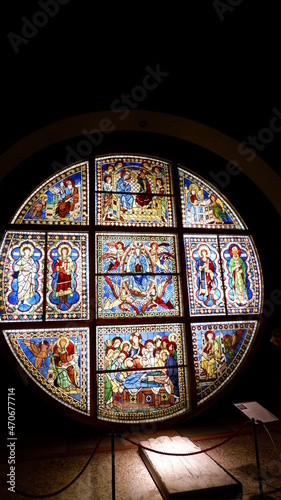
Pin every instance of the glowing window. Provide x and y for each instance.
(136, 303)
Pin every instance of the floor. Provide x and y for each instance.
(66, 461)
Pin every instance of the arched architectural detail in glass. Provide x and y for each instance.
(62, 199)
(143, 294)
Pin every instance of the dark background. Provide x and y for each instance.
(224, 72)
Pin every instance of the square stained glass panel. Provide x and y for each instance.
(134, 191)
(141, 374)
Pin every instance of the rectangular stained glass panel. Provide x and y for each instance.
(67, 276)
(141, 372)
(138, 296)
(21, 276)
(58, 361)
(241, 273)
(218, 351)
(204, 280)
(134, 191)
(117, 253)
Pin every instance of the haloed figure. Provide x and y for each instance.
(64, 283)
(25, 271)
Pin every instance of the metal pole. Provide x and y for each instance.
(257, 458)
(113, 465)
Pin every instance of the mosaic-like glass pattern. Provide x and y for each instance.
(202, 206)
(218, 351)
(21, 276)
(138, 275)
(141, 372)
(133, 191)
(67, 276)
(241, 271)
(142, 377)
(58, 361)
(136, 254)
(206, 295)
(62, 199)
(138, 296)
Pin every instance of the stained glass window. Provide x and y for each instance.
(134, 191)
(58, 361)
(138, 275)
(147, 289)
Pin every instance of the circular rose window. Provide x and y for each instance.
(131, 289)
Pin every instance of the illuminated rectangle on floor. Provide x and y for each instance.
(192, 476)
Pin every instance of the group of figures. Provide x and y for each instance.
(217, 352)
(59, 201)
(25, 276)
(57, 360)
(207, 283)
(143, 282)
(223, 274)
(203, 207)
(133, 365)
(133, 186)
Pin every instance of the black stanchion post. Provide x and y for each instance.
(113, 465)
(258, 459)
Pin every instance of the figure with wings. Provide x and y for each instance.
(158, 256)
(231, 341)
(155, 296)
(39, 351)
(122, 299)
(114, 254)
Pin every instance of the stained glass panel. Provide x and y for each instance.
(204, 278)
(21, 276)
(133, 191)
(58, 361)
(218, 351)
(134, 253)
(67, 276)
(138, 296)
(62, 199)
(143, 377)
(202, 206)
(242, 275)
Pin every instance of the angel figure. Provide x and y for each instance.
(158, 256)
(155, 296)
(39, 351)
(122, 299)
(114, 254)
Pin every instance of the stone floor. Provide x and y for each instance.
(46, 464)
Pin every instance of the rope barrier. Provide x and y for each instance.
(186, 454)
(28, 495)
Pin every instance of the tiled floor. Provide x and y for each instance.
(48, 463)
